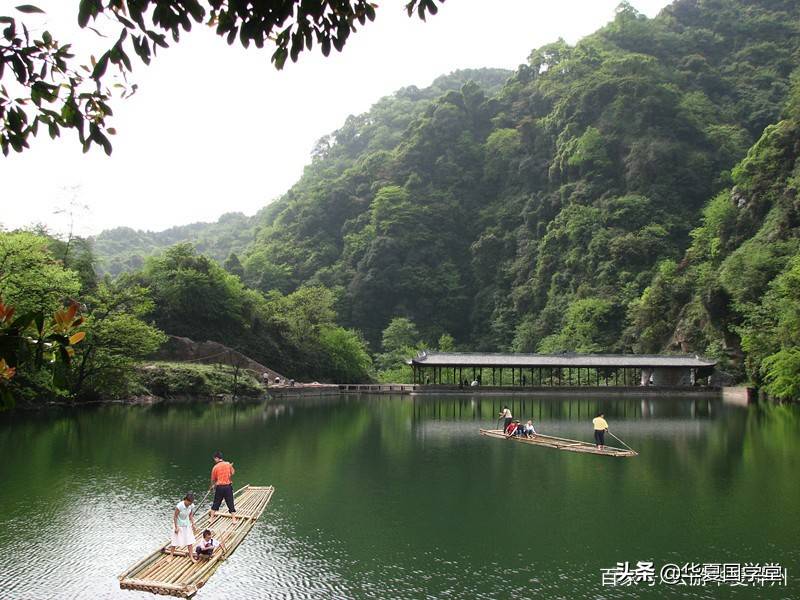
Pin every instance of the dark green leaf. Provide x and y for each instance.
(24, 320)
(101, 66)
(29, 9)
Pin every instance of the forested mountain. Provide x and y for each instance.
(535, 218)
(736, 291)
(124, 249)
(589, 201)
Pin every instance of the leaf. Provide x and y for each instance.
(101, 139)
(6, 313)
(36, 96)
(125, 21)
(29, 9)
(100, 68)
(76, 337)
(125, 60)
(279, 58)
(87, 9)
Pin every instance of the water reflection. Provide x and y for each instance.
(486, 408)
(399, 497)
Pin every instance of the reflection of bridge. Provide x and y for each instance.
(664, 430)
(576, 408)
(556, 370)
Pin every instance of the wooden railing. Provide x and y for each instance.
(377, 388)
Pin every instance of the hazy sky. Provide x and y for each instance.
(215, 129)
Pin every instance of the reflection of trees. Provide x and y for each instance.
(357, 469)
(139, 444)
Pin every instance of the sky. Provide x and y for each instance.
(215, 129)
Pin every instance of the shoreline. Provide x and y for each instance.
(738, 395)
(140, 401)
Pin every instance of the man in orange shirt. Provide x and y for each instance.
(221, 476)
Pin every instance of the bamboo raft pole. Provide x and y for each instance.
(561, 443)
(162, 573)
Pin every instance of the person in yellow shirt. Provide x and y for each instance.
(600, 428)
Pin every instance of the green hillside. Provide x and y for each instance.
(735, 294)
(617, 195)
(124, 249)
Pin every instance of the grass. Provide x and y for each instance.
(169, 379)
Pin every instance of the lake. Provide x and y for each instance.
(399, 497)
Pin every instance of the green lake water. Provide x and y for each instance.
(399, 497)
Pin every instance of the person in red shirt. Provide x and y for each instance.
(221, 476)
(512, 428)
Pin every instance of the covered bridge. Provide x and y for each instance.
(559, 369)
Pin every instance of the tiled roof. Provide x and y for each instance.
(566, 360)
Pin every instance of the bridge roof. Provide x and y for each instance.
(566, 360)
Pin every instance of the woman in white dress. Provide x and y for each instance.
(183, 526)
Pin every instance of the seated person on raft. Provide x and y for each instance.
(205, 548)
(513, 428)
(528, 431)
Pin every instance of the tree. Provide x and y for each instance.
(446, 343)
(36, 348)
(347, 356)
(590, 325)
(116, 337)
(76, 254)
(234, 266)
(31, 279)
(400, 333)
(51, 89)
(194, 296)
(306, 320)
(770, 334)
(303, 313)
(400, 341)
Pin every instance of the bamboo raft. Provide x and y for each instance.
(561, 443)
(161, 573)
